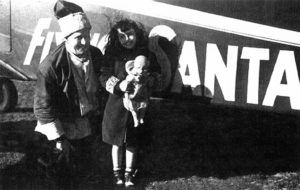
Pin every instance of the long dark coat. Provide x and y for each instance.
(117, 125)
(56, 94)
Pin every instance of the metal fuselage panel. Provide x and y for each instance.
(239, 53)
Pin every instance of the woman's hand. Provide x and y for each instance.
(126, 86)
(123, 85)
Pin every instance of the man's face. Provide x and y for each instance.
(127, 38)
(79, 42)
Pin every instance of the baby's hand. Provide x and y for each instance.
(129, 78)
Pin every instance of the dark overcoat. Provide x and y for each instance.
(117, 125)
(56, 94)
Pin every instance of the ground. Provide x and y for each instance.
(193, 146)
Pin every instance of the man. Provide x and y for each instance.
(67, 88)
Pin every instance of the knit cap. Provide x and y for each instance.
(71, 17)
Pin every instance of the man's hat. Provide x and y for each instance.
(71, 17)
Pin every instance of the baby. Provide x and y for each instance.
(137, 101)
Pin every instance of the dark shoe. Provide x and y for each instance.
(118, 178)
(48, 161)
(129, 179)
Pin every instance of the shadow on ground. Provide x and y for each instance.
(20, 148)
(210, 140)
(186, 140)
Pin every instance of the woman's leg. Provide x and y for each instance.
(116, 157)
(130, 164)
(130, 158)
(117, 163)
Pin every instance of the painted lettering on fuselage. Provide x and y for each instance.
(216, 68)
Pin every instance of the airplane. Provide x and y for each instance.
(239, 53)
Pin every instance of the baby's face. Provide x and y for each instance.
(141, 65)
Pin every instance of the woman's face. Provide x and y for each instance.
(127, 38)
(79, 42)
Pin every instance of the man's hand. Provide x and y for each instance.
(65, 146)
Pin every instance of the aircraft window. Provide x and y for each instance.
(5, 32)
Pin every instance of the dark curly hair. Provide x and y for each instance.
(114, 47)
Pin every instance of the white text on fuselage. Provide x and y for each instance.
(215, 67)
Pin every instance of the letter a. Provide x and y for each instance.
(285, 63)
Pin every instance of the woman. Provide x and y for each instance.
(126, 40)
